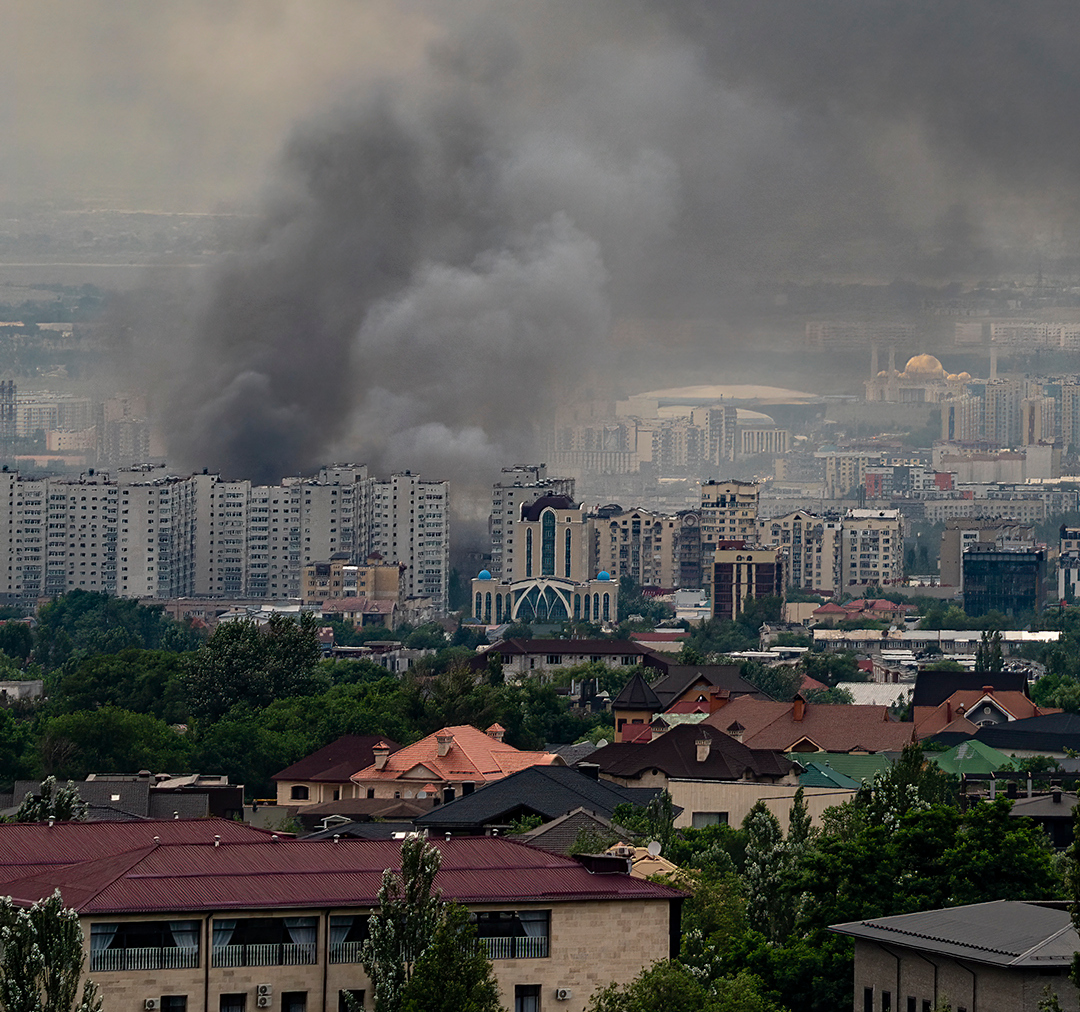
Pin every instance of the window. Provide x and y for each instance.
(294, 1001)
(886, 1001)
(233, 1002)
(174, 1003)
(144, 945)
(868, 999)
(527, 998)
(509, 934)
(299, 793)
(350, 1000)
(264, 941)
(911, 1004)
(700, 820)
(347, 935)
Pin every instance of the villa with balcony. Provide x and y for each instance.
(215, 916)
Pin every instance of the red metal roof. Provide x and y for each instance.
(199, 876)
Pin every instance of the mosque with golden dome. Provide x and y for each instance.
(922, 381)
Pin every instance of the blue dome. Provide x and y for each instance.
(484, 575)
(603, 575)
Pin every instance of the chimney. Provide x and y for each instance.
(703, 745)
(719, 699)
(736, 731)
(1056, 795)
(496, 731)
(381, 751)
(447, 795)
(444, 742)
(798, 709)
(467, 787)
(948, 712)
(1011, 790)
(988, 689)
(591, 770)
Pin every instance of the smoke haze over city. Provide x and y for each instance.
(468, 196)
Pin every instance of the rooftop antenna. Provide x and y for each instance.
(217, 841)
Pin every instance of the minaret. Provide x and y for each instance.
(993, 362)
(892, 360)
(873, 361)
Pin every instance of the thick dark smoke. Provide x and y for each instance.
(440, 258)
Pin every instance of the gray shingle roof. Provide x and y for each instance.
(1001, 933)
(548, 791)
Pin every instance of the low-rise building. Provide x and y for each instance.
(213, 916)
(1006, 580)
(986, 957)
(326, 774)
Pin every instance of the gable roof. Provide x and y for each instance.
(336, 762)
(548, 791)
(675, 753)
(933, 687)
(636, 695)
(1007, 933)
(189, 876)
(680, 677)
(560, 834)
(472, 755)
(831, 728)
(855, 767)
(818, 774)
(1015, 705)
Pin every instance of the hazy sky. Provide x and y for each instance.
(179, 104)
(453, 199)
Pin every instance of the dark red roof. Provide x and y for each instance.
(336, 762)
(573, 647)
(173, 877)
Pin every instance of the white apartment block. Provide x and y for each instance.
(639, 544)
(872, 547)
(811, 545)
(137, 535)
(728, 511)
(410, 523)
(520, 486)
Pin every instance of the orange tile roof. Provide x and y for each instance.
(472, 755)
(839, 728)
(934, 719)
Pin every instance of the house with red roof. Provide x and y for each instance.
(326, 775)
(451, 762)
(213, 916)
(966, 710)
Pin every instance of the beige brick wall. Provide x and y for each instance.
(591, 945)
(904, 974)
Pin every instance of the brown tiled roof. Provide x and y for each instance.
(932, 719)
(839, 728)
(675, 753)
(336, 762)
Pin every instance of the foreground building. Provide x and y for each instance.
(212, 916)
(985, 957)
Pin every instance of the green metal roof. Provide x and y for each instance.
(857, 767)
(970, 756)
(821, 775)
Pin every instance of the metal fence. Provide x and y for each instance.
(283, 954)
(163, 958)
(518, 947)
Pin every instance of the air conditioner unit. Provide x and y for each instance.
(152, 1003)
(265, 990)
(563, 994)
(264, 1001)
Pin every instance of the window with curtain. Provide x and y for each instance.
(509, 934)
(149, 945)
(233, 1002)
(527, 998)
(224, 929)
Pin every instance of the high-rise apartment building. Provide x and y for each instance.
(742, 573)
(638, 544)
(410, 523)
(871, 548)
(728, 510)
(518, 487)
(142, 535)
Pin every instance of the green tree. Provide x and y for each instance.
(654, 821)
(668, 985)
(242, 662)
(781, 682)
(453, 973)
(41, 959)
(145, 681)
(768, 907)
(54, 803)
(409, 914)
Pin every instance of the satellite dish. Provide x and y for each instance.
(420, 795)
(654, 848)
(601, 742)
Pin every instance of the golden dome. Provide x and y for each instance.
(965, 376)
(952, 376)
(882, 373)
(924, 365)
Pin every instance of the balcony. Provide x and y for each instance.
(516, 947)
(346, 952)
(273, 954)
(163, 958)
